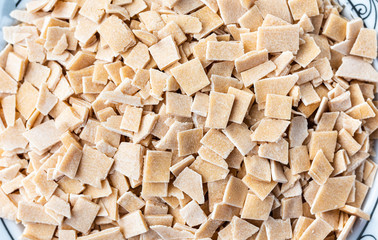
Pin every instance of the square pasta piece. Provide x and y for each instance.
(15, 66)
(133, 224)
(240, 136)
(270, 130)
(365, 44)
(131, 119)
(224, 51)
(190, 76)
(299, 159)
(156, 166)
(260, 188)
(172, 28)
(230, 10)
(94, 167)
(278, 106)
(242, 102)
(37, 74)
(43, 136)
(333, 194)
(46, 100)
(242, 229)
(84, 213)
(217, 142)
(258, 168)
(7, 83)
(277, 151)
(320, 169)
(308, 94)
(130, 202)
(117, 34)
(165, 52)
(212, 157)
(189, 141)
(178, 104)
(26, 99)
(325, 141)
(278, 38)
(138, 57)
(218, 116)
(276, 85)
(278, 8)
(307, 51)
(200, 104)
(65, 10)
(190, 182)
(193, 214)
(318, 229)
(278, 228)
(151, 20)
(299, 8)
(251, 60)
(252, 19)
(235, 192)
(209, 20)
(257, 209)
(70, 161)
(335, 28)
(252, 75)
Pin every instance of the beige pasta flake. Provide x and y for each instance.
(278, 38)
(241, 229)
(256, 209)
(59, 206)
(191, 76)
(361, 111)
(190, 183)
(235, 192)
(46, 100)
(320, 169)
(120, 40)
(250, 60)
(270, 130)
(165, 52)
(277, 151)
(70, 161)
(347, 142)
(222, 84)
(224, 51)
(178, 104)
(356, 68)
(64, 10)
(9, 109)
(89, 171)
(16, 66)
(187, 23)
(193, 214)
(353, 28)
(260, 188)
(307, 52)
(308, 94)
(299, 159)
(258, 168)
(335, 28)
(252, 19)
(7, 83)
(131, 119)
(278, 106)
(138, 57)
(277, 8)
(212, 157)
(168, 232)
(325, 141)
(333, 194)
(219, 117)
(318, 229)
(242, 102)
(208, 20)
(277, 85)
(365, 44)
(299, 8)
(189, 141)
(43, 136)
(34, 213)
(156, 166)
(217, 142)
(239, 135)
(200, 104)
(133, 224)
(130, 202)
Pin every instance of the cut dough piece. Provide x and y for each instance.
(258, 168)
(165, 52)
(278, 38)
(189, 141)
(190, 183)
(325, 141)
(83, 214)
(277, 151)
(235, 192)
(278, 106)
(257, 209)
(218, 116)
(299, 8)
(190, 76)
(156, 166)
(270, 130)
(217, 142)
(241, 229)
(320, 169)
(224, 51)
(277, 85)
(133, 224)
(333, 194)
(335, 28)
(240, 136)
(193, 214)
